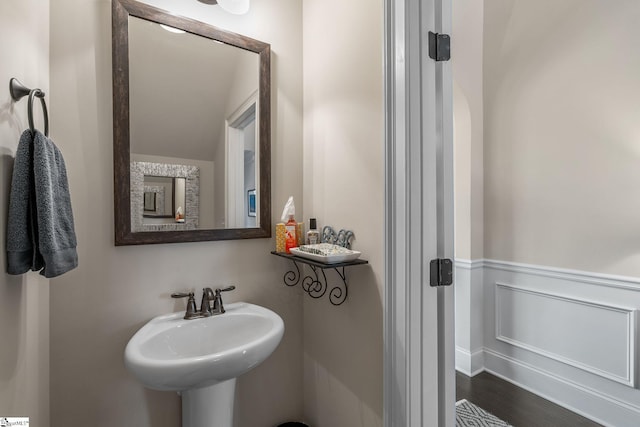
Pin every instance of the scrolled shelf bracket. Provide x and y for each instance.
(292, 278)
(337, 296)
(315, 284)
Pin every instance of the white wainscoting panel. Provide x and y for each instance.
(597, 338)
(569, 336)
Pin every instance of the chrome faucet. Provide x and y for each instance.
(210, 305)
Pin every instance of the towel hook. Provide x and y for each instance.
(18, 91)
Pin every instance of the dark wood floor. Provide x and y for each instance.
(514, 405)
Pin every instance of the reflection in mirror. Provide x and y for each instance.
(206, 94)
(164, 197)
(150, 206)
(200, 98)
(241, 163)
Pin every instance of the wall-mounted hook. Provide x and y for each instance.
(18, 91)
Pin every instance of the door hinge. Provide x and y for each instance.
(441, 272)
(439, 46)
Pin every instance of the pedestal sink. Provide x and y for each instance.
(201, 358)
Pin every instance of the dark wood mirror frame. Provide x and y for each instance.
(121, 10)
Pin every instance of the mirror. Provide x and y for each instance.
(164, 197)
(191, 129)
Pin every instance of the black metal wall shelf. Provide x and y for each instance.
(313, 285)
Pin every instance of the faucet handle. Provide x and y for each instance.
(218, 308)
(182, 294)
(192, 311)
(227, 289)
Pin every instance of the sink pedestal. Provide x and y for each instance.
(209, 406)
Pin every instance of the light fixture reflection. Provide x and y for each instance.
(237, 7)
(171, 29)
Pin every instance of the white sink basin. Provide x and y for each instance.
(174, 354)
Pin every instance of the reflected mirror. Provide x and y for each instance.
(188, 95)
(159, 197)
(164, 197)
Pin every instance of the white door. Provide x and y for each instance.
(419, 342)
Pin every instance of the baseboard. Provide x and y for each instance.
(469, 363)
(593, 404)
(469, 316)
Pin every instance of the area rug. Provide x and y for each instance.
(470, 415)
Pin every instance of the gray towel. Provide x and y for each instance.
(40, 230)
(22, 226)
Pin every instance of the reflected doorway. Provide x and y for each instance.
(242, 200)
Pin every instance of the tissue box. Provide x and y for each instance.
(281, 237)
